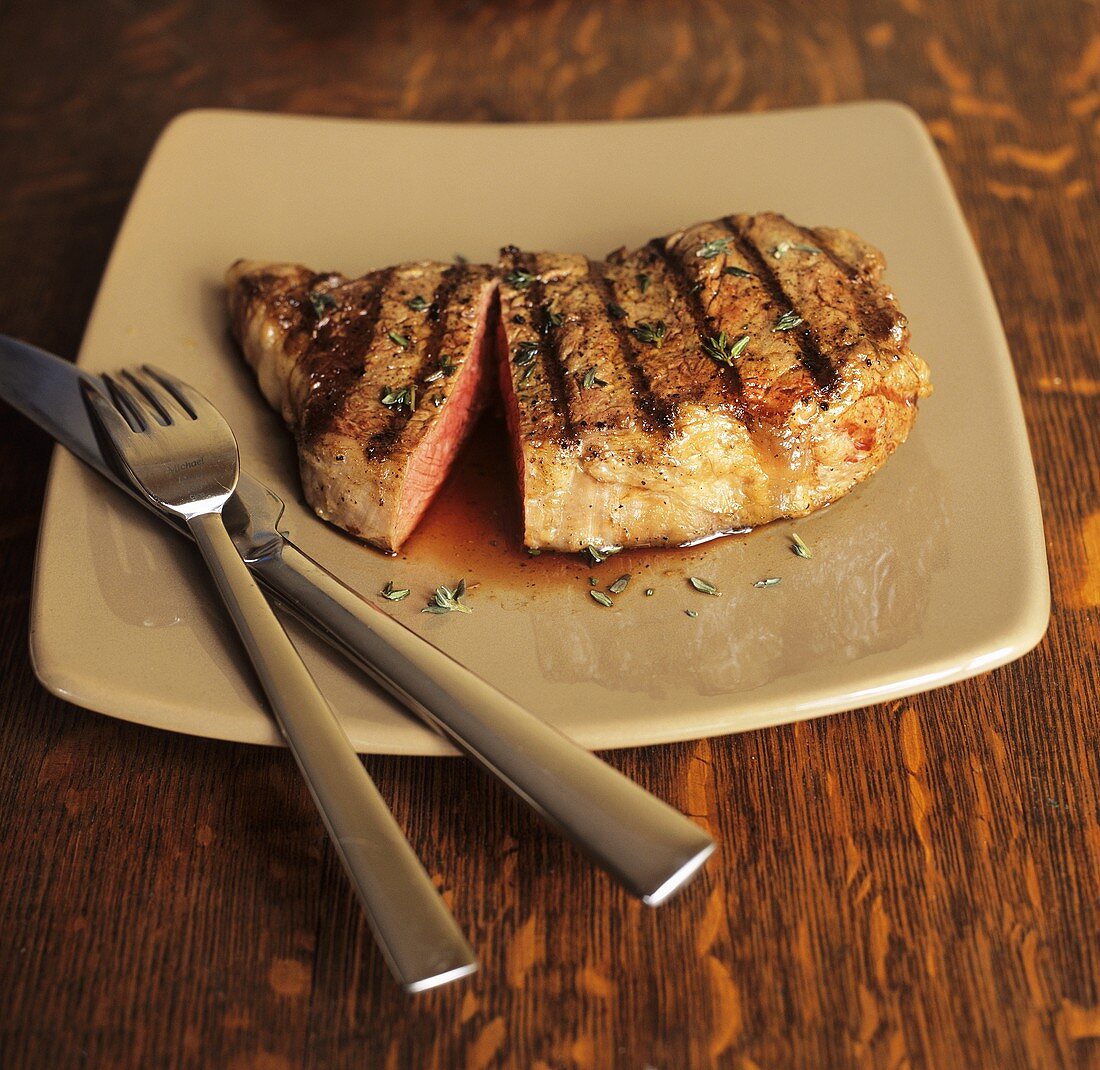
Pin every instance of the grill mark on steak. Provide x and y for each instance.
(550, 355)
(877, 319)
(335, 359)
(381, 442)
(655, 413)
(814, 361)
(818, 241)
(688, 290)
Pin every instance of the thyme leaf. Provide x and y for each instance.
(599, 596)
(620, 584)
(787, 322)
(446, 368)
(519, 279)
(446, 600)
(417, 304)
(526, 353)
(649, 592)
(598, 554)
(395, 399)
(710, 249)
(691, 612)
(400, 340)
(779, 251)
(739, 272)
(704, 586)
(551, 318)
(591, 379)
(651, 333)
(799, 548)
(321, 302)
(394, 594)
(723, 350)
(771, 581)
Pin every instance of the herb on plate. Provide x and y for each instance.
(620, 584)
(446, 600)
(799, 548)
(703, 585)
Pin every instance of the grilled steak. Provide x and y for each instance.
(380, 378)
(735, 372)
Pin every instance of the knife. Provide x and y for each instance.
(647, 846)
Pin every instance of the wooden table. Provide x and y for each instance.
(912, 885)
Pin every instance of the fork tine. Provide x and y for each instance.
(151, 391)
(112, 421)
(130, 403)
(189, 399)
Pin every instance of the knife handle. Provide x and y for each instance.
(646, 845)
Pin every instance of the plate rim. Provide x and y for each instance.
(1023, 632)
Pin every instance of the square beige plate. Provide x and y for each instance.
(932, 572)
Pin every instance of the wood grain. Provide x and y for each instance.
(907, 886)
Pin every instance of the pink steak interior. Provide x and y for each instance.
(431, 461)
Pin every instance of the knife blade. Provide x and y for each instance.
(645, 844)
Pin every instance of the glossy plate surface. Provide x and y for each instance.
(933, 571)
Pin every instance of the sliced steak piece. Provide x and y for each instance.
(733, 373)
(380, 378)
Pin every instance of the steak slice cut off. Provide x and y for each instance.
(380, 378)
(730, 374)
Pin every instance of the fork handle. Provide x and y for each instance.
(417, 934)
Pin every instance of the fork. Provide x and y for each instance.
(177, 450)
